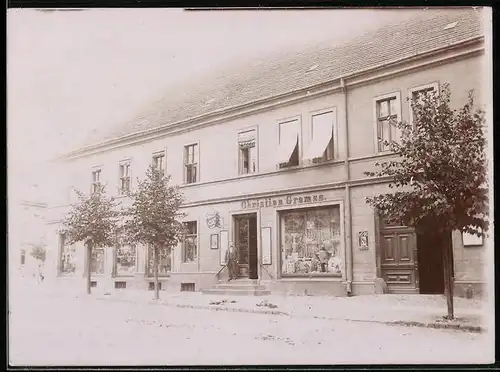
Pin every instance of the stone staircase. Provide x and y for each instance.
(238, 287)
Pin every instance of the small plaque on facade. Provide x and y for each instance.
(363, 240)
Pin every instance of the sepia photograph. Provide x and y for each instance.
(241, 187)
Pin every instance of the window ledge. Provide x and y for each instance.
(326, 278)
(64, 275)
(295, 168)
(151, 277)
(373, 156)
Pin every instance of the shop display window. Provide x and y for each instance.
(97, 261)
(164, 262)
(126, 260)
(311, 242)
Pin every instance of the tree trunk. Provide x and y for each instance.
(155, 268)
(89, 259)
(447, 250)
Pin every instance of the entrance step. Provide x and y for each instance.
(238, 287)
(240, 281)
(235, 292)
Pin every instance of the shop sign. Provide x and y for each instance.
(277, 202)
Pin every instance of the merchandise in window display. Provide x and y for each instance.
(126, 260)
(68, 265)
(164, 263)
(312, 242)
(97, 261)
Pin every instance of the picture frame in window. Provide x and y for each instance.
(214, 241)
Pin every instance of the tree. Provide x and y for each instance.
(439, 174)
(153, 218)
(38, 252)
(94, 221)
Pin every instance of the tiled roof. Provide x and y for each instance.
(287, 72)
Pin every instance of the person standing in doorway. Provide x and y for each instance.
(232, 261)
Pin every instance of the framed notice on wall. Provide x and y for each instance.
(363, 240)
(471, 240)
(214, 241)
(265, 233)
(224, 245)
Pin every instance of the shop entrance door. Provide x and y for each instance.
(430, 264)
(245, 231)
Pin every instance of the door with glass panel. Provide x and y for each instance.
(245, 231)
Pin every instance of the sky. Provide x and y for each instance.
(69, 73)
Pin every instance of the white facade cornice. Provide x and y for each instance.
(33, 204)
(461, 49)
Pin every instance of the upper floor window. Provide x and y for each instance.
(247, 152)
(418, 93)
(190, 253)
(124, 177)
(387, 115)
(321, 147)
(191, 163)
(96, 179)
(159, 162)
(288, 151)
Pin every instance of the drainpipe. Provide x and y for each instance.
(347, 200)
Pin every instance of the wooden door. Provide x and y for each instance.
(253, 260)
(399, 260)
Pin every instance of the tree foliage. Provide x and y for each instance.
(38, 252)
(93, 219)
(153, 219)
(440, 169)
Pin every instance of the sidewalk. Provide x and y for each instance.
(408, 310)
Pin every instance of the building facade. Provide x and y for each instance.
(283, 177)
(26, 232)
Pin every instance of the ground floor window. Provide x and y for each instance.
(125, 259)
(311, 242)
(97, 261)
(164, 262)
(190, 249)
(67, 257)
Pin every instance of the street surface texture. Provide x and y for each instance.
(48, 330)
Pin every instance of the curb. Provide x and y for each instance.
(452, 326)
(412, 323)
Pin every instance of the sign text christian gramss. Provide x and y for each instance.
(276, 202)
